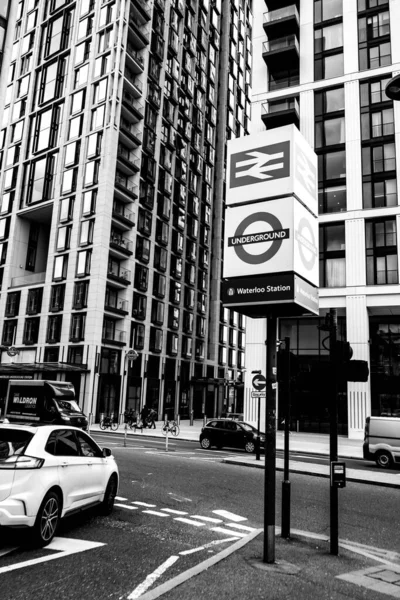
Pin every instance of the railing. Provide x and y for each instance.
(121, 182)
(289, 41)
(274, 107)
(121, 241)
(119, 209)
(129, 99)
(133, 81)
(135, 54)
(281, 13)
(132, 128)
(28, 279)
(114, 335)
(128, 157)
(117, 304)
(120, 272)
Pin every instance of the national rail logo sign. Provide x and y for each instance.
(260, 164)
(272, 164)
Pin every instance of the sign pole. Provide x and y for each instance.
(258, 429)
(285, 532)
(333, 437)
(270, 445)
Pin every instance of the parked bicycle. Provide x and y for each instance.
(109, 421)
(170, 427)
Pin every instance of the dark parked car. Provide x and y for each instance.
(233, 434)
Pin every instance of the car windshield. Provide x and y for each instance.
(13, 441)
(68, 405)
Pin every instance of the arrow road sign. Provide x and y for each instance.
(259, 382)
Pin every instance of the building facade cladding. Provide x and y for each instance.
(4, 12)
(112, 195)
(340, 55)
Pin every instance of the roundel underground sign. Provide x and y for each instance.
(306, 244)
(241, 241)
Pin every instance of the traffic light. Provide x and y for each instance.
(356, 370)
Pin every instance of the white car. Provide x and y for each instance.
(50, 471)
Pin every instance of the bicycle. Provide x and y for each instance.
(130, 419)
(109, 421)
(170, 427)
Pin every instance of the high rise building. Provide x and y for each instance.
(323, 65)
(114, 120)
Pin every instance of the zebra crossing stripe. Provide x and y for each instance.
(228, 532)
(156, 513)
(228, 515)
(242, 527)
(191, 522)
(126, 506)
(174, 512)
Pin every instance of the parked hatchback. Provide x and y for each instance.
(50, 471)
(228, 433)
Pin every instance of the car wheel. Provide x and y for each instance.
(47, 520)
(205, 443)
(109, 497)
(384, 459)
(250, 447)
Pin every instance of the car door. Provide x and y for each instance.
(97, 464)
(234, 435)
(73, 470)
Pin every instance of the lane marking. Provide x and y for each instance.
(228, 532)
(155, 512)
(126, 506)
(144, 504)
(63, 546)
(150, 579)
(243, 527)
(209, 519)
(174, 512)
(121, 498)
(214, 543)
(179, 498)
(229, 515)
(190, 522)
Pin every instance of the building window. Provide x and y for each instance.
(66, 209)
(31, 331)
(156, 339)
(377, 194)
(332, 166)
(60, 267)
(81, 291)
(141, 278)
(143, 247)
(324, 10)
(378, 159)
(51, 354)
(138, 336)
(34, 301)
(39, 175)
(83, 263)
(159, 285)
(63, 238)
(327, 67)
(332, 199)
(9, 332)
(375, 56)
(75, 355)
(57, 298)
(12, 304)
(377, 124)
(77, 330)
(32, 247)
(381, 249)
(332, 261)
(160, 259)
(54, 325)
(139, 306)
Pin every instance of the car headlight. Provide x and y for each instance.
(65, 418)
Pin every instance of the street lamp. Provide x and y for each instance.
(392, 89)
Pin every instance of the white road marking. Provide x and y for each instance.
(174, 512)
(237, 526)
(8, 550)
(126, 506)
(155, 512)
(121, 499)
(209, 519)
(214, 543)
(179, 498)
(228, 532)
(190, 522)
(143, 504)
(150, 579)
(63, 546)
(229, 515)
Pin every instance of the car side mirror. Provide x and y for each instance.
(106, 452)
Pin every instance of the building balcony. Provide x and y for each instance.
(132, 86)
(282, 49)
(129, 134)
(119, 275)
(31, 279)
(277, 113)
(140, 10)
(113, 336)
(132, 111)
(128, 163)
(134, 60)
(138, 37)
(121, 244)
(281, 21)
(125, 189)
(116, 306)
(122, 215)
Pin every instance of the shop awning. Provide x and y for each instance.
(31, 368)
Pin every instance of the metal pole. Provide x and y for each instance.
(333, 438)
(258, 430)
(285, 531)
(270, 445)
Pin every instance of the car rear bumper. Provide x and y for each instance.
(12, 514)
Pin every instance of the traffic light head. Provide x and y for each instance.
(342, 351)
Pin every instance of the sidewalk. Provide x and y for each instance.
(306, 443)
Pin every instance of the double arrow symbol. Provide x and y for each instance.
(258, 165)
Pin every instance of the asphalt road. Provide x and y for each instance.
(175, 509)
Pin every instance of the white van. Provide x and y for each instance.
(382, 440)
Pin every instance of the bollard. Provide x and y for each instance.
(166, 432)
(125, 433)
(191, 418)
